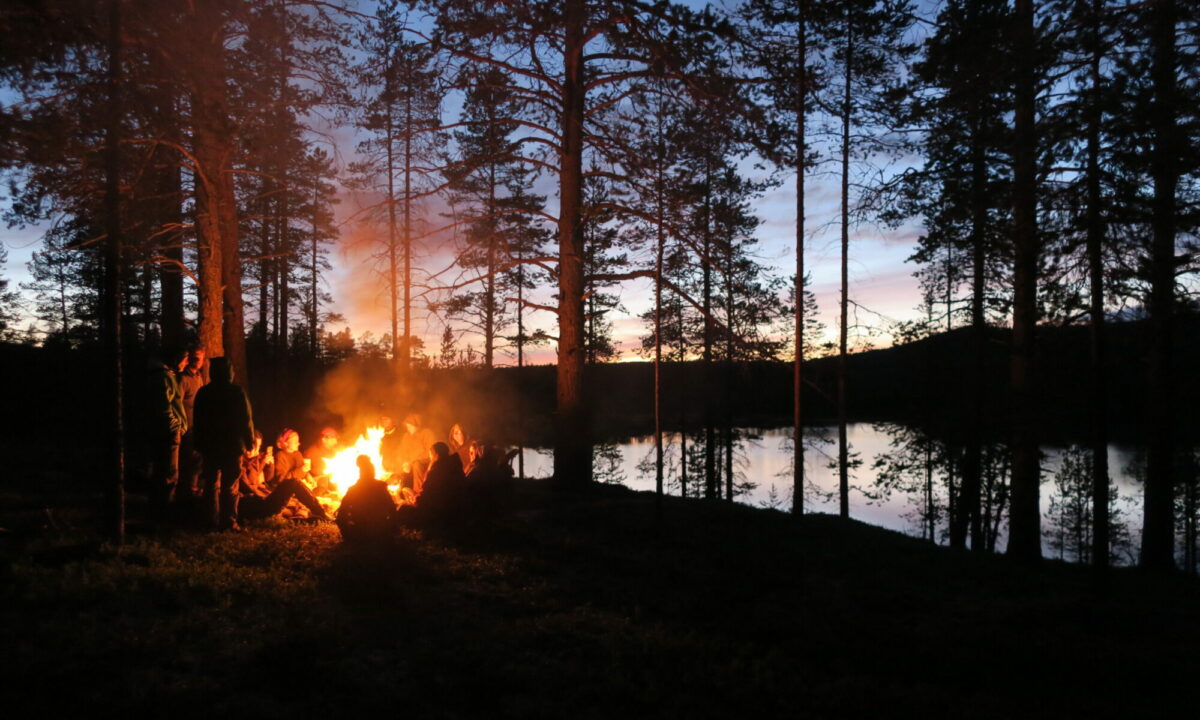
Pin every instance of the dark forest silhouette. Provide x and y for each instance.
(179, 156)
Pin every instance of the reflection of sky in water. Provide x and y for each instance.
(767, 462)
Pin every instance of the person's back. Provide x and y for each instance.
(224, 430)
(445, 483)
(223, 421)
(367, 512)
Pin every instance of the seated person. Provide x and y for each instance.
(289, 463)
(489, 482)
(389, 445)
(324, 450)
(367, 512)
(413, 451)
(445, 485)
(256, 501)
(460, 444)
(319, 455)
(489, 464)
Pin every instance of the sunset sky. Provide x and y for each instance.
(881, 282)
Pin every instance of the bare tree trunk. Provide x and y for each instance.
(1158, 528)
(114, 353)
(572, 450)
(1025, 540)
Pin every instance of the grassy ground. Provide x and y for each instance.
(581, 606)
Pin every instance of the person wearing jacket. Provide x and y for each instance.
(257, 501)
(168, 422)
(224, 430)
(415, 445)
(290, 463)
(193, 377)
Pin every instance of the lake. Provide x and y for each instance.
(764, 461)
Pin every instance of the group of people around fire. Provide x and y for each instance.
(206, 453)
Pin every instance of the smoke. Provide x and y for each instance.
(488, 404)
(360, 281)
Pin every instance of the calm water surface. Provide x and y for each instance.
(766, 462)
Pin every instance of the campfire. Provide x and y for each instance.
(343, 468)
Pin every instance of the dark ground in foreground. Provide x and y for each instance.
(579, 606)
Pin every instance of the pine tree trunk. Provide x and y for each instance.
(213, 139)
(659, 251)
(1025, 515)
(843, 331)
(406, 345)
(727, 393)
(112, 300)
(520, 365)
(1095, 255)
(265, 272)
(392, 246)
(683, 405)
(798, 340)
(489, 320)
(208, 253)
(1158, 530)
(169, 187)
(710, 435)
(283, 267)
(234, 325)
(968, 508)
(572, 450)
(314, 338)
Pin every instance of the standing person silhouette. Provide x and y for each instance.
(224, 430)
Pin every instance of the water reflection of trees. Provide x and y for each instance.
(1187, 502)
(927, 470)
(1069, 525)
(686, 457)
